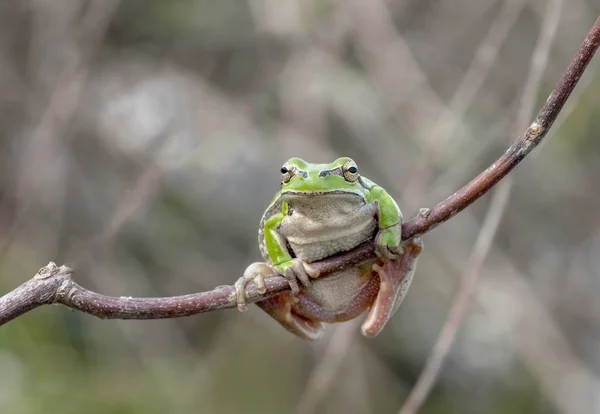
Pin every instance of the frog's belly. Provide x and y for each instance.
(311, 250)
(336, 294)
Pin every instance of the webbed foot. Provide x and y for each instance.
(281, 308)
(395, 277)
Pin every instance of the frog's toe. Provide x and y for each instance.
(299, 270)
(415, 244)
(311, 271)
(388, 252)
(290, 275)
(259, 280)
(240, 294)
(304, 272)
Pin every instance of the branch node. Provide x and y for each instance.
(52, 270)
(424, 212)
(533, 131)
(65, 289)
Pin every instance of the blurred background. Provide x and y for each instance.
(141, 141)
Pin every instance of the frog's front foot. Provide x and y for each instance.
(256, 273)
(294, 270)
(387, 243)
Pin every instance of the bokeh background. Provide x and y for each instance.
(141, 140)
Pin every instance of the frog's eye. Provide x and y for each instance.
(286, 173)
(350, 171)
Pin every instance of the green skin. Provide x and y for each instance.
(388, 212)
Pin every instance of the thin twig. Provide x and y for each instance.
(498, 204)
(57, 287)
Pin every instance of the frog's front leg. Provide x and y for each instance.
(274, 247)
(395, 277)
(389, 218)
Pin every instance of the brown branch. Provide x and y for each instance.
(54, 285)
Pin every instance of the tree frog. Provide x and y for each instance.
(321, 210)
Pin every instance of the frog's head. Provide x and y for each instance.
(299, 178)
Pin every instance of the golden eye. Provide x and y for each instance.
(286, 172)
(350, 171)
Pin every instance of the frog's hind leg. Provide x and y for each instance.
(395, 277)
(280, 307)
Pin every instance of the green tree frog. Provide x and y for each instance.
(321, 210)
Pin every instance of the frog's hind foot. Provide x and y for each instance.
(395, 277)
(280, 307)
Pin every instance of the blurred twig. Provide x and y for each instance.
(63, 101)
(462, 98)
(54, 285)
(144, 187)
(524, 144)
(492, 219)
(324, 372)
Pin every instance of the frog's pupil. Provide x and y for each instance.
(352, 170)
(284, 170)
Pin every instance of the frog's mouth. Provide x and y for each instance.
(291, 194)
